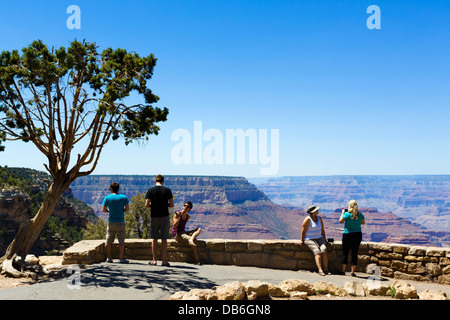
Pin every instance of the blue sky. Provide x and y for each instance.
(344, 99)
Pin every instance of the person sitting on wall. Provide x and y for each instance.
(179, 228)
(313, 235)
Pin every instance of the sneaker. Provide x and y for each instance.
(123, 261)
(109, 260)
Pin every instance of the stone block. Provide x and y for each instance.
(270, 246)
(255, 246)
(215, 245)
(258, 259)
(280, 262)
(397, 265)
(401, 249)
(404, 290)
(413, 258)
(389, 255)
(409, 277)
(444, 279)
(435, 252)
(218, 257)
(293, 246)
(354, 288)
(416, 251)
(433, 269)
(235, 246)
(416, 268)
(381, 247)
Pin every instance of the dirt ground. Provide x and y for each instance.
(50, 262)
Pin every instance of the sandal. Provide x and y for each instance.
(153, 263)
(166, 264)
(321, 273)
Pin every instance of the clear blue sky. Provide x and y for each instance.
(345, 99)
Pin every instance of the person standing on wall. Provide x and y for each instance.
(159, 199)
(352, 235)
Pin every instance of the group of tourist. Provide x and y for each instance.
(313, 235)
(159, 199)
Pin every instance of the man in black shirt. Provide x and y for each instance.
(159, 198)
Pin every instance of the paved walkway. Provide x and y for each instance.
(140, 281)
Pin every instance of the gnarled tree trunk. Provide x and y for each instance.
(29, 230)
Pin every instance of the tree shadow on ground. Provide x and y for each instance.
(144, 277)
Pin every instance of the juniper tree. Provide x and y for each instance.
(69, 103)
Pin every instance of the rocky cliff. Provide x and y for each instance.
(224, 207)
(423, 199)
(21, 194)
(233, 208)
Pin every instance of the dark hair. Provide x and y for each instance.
(159, 178)
(189, 204)
(114, 187)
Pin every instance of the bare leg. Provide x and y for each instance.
(108, 251)
(164, 251)
(353, 268)
(194, 236)
(325, 261)
(154, 251)
(318, 259)
(121, 251)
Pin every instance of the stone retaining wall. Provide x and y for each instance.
(389, 260)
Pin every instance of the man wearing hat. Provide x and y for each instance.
(313, 235)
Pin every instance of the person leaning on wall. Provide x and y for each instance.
(313, 235)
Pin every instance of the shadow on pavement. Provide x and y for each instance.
(144, 277)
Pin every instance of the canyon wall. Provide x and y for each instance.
(224, 207)
(423, 199)
(233, 208)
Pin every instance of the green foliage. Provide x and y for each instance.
(68, 232)
(34, 105)
(95, 230)
(391, 292)
(30, 181)
(137, 220)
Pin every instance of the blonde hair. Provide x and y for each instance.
(353, 209)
